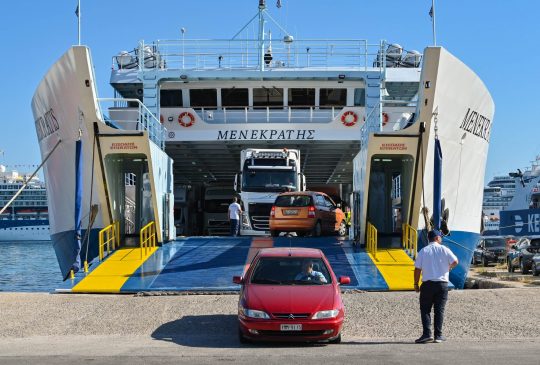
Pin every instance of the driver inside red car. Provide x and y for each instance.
(308, 274)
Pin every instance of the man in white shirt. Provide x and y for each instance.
(234, 216)
(434, 263)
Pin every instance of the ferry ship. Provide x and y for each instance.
(369, 118)
(498, 193)
(26, 219)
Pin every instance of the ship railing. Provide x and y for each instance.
(109, 239)
(409, 240)
(141, 118)
(148, 238)
(371, 241)
(277, 53)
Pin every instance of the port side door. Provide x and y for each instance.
(322, 211)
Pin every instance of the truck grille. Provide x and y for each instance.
(259, 216)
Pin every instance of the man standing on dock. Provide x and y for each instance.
(433, 262)
(234, 216)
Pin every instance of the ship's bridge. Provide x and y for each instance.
(217, 97)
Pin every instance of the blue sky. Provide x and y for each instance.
(498, 39)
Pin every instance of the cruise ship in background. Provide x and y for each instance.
(26, 219)
(511, 195)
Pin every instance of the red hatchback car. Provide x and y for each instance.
(290, 294)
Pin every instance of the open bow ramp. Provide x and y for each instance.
(209, 263)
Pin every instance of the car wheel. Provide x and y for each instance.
(242, 338)
(535, 271)
(485, 262)
(317, 230)
(522, 267)
(336, 340)
(509, 265)
(274, 233)
(342, 230)
(301, 234)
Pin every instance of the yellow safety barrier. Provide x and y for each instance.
(410, 240)
(110, 237)
(371, 242)
(148, 238)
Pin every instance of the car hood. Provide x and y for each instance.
(290, 298)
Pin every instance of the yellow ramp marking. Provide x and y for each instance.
(396, 267)
(113, 272)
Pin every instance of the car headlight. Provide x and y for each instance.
(326, 314)
(252, 313)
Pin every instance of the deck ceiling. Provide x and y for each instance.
(323, 162)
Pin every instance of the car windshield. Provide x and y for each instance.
(290, 271)
(293, 201)
(494, 242)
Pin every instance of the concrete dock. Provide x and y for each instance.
(482, 326)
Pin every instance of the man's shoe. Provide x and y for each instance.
(424, 339)
(439, 339)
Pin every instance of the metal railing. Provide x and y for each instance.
(246, 53)
(148, 238)
(142, 120)
(110, 237)
(371, 241)
(410, 240)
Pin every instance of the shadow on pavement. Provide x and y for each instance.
(211, 331)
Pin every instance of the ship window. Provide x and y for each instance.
(234, 98)
(171, 98)
(203, 98)
(301, 97)
(333, 97)
(263, 97)
(359, 97)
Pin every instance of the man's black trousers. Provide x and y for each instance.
(433, 294)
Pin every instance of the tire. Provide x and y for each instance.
(241, 338)
(342, 230)
(301, 234)
(485, 262)
(336, 340)
(522, 267)
(534, 270)
(317, 230)
(274, 233)
(509, 264)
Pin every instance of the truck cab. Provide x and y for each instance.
(264, 174)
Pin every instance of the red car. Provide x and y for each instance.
(290, 294)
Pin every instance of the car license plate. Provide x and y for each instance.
(291, 327)
(290, 212)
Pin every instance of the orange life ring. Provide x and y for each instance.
(385, 119)
(186, 119)
(349, 118)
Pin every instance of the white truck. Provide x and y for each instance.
(216, 205)
(264, 174)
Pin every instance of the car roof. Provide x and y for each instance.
(291, 251)
(305, 193)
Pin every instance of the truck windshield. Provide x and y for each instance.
(268, 180)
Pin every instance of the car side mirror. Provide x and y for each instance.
(237, 280)
(343, 280)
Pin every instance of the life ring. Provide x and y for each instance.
(385, 119)
(186, 119)
(349, 118)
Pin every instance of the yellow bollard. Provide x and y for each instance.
(71, 275)
(85, 266)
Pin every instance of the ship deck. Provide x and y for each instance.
(208, 264)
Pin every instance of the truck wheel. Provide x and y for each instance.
(317, 230)
(301, 234)
(522, 267)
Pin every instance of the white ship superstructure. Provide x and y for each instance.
(26, 219)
